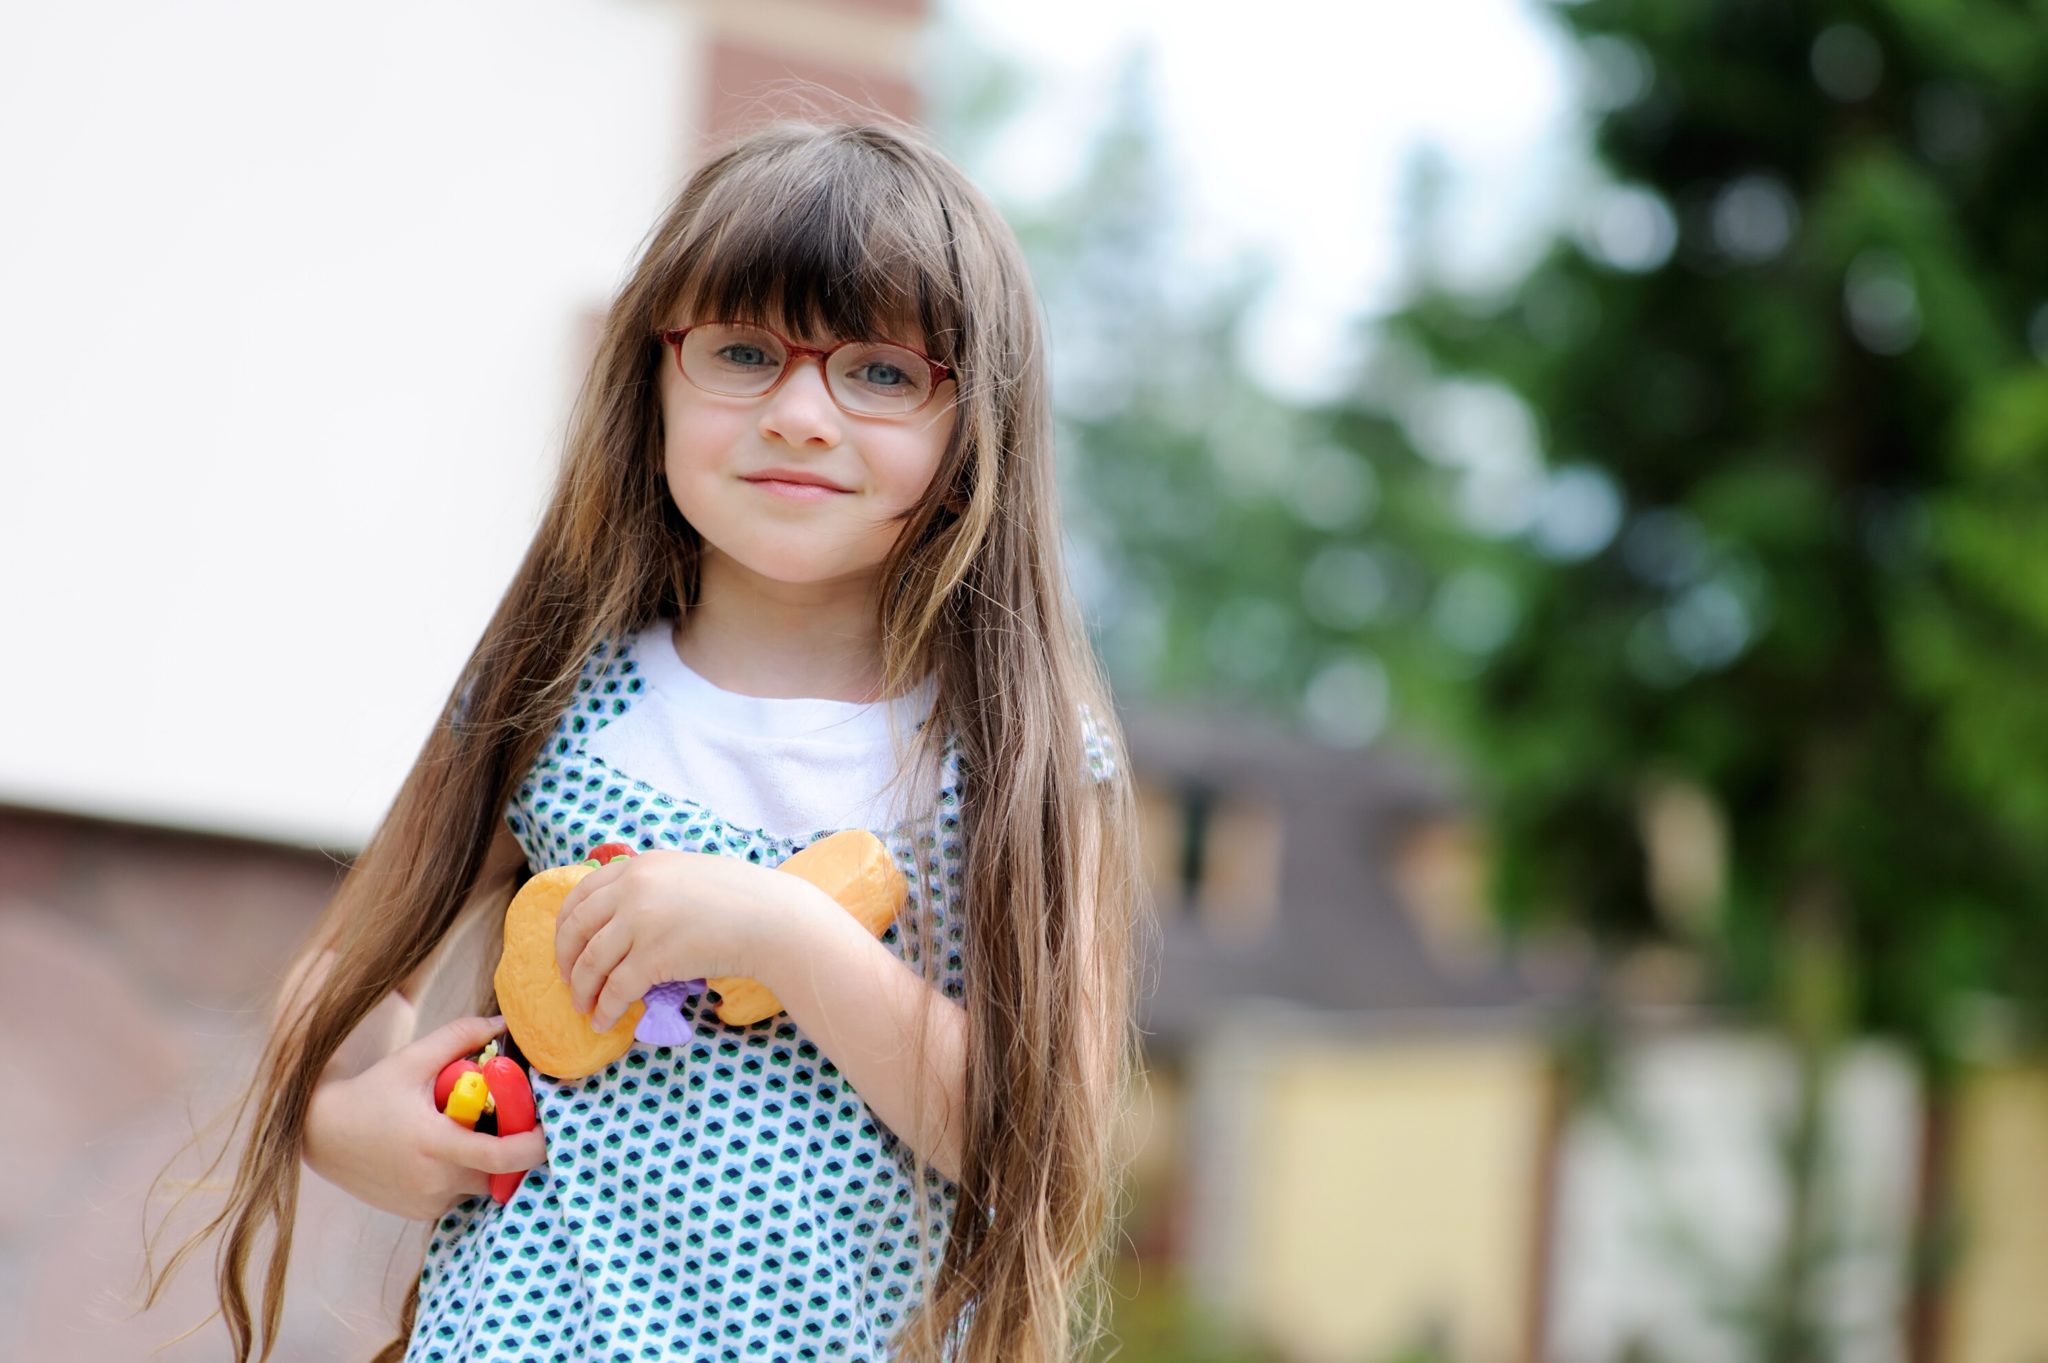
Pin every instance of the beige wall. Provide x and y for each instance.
(1364, 1194)
(1997, 1306)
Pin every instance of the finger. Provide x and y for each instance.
(491, 1154)
(576, 926)
(598, 963)
(455, 1039)
(622, 986)
(591, 884)
(471, 1183)
(527, 1150)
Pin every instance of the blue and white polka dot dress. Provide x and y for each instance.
(729, 1200)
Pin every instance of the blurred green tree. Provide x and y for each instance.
(1234, 546)
(1718, 540)
(1786, 546)
(1778, 406)
(1725, 521)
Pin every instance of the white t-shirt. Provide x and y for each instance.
(789, 767)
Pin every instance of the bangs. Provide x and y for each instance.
(832, 238)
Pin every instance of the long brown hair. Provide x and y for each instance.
(837, 228)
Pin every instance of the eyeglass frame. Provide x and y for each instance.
(672, 337)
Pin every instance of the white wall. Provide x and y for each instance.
(1693, 1174)
(290, 305)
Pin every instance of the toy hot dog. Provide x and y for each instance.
(852, 866)
(490, 1086)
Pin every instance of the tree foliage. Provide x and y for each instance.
(1799, 341)
(1724, 529)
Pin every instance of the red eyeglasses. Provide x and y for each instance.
(866, 378)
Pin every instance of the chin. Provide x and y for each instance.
(792, 568)
(792, 554)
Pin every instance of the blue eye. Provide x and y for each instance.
(881, 375)
(745, 355)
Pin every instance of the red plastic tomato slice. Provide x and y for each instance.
(444, 1083)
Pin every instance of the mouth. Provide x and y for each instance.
(782, 473)
(797, 491)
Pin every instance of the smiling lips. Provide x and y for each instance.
(795, 485)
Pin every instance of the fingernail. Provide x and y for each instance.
(498, 1021)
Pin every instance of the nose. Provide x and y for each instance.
(801, 410)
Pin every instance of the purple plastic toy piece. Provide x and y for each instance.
(663, 1024)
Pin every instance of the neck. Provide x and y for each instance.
(759, 637)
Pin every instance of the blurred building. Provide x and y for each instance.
(1356, 1140)
(1349, 1103)
(140, 957)
(765, 58)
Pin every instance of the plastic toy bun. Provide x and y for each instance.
(854, 868)
(534, 997)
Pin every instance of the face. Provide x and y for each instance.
(716, 449)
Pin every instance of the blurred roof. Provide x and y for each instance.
(1344, 937)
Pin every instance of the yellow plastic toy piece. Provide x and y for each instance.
(466, 1100)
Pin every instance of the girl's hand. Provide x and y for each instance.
(636, 922)
(378, 1136)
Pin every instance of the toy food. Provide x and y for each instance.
(467, 1099)
(534, 997)
(513, 1097)
(852, 866)
(664, 1024)
(491, 1087)
(445, 1084)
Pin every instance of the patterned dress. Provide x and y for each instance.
(727, 1200)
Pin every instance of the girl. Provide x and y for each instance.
(800, 572)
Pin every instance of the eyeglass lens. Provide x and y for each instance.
(870, 377)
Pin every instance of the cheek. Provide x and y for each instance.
(915, 460)
(692, 439)
(688, 474)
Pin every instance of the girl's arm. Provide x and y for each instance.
(367, 1131)
(863, 1007)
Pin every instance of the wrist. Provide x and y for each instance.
(312, 1151)
(791, 920)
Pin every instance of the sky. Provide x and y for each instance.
(294, 297)
(1290, 135)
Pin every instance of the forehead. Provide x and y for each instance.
(811, 331)
(818, 258)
